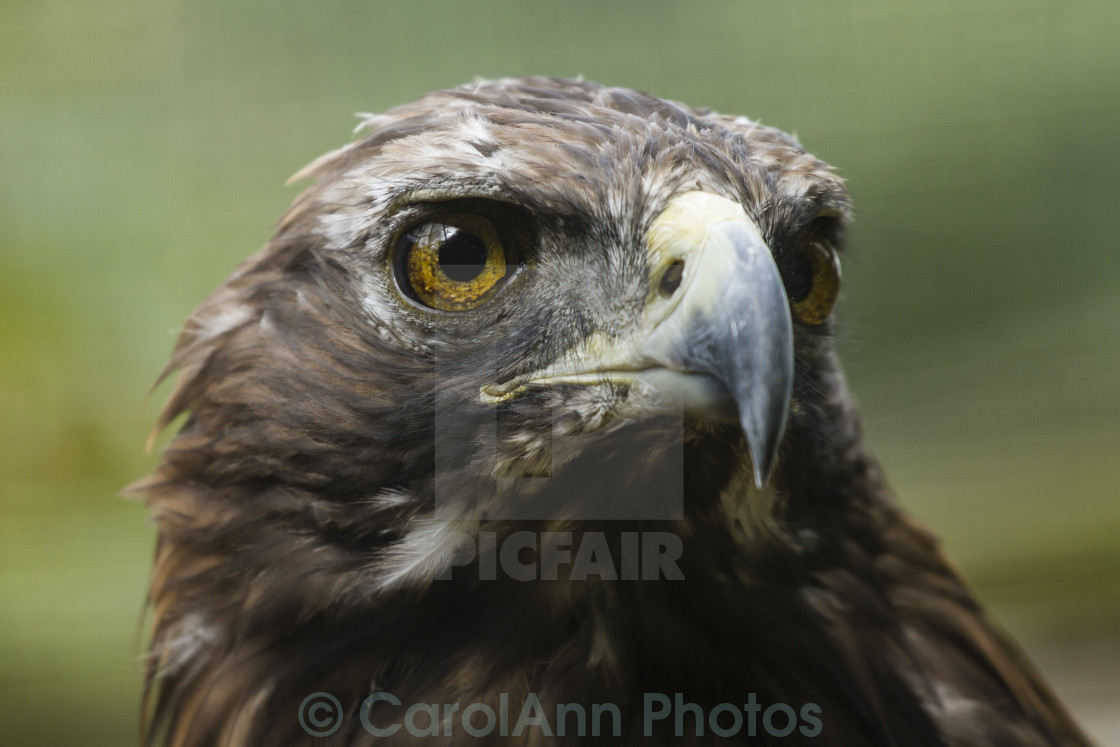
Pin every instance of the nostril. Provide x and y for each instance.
(671, 279)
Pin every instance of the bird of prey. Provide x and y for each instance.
(527, 427)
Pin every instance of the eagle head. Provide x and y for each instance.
(531, 306)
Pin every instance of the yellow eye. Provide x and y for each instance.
(454, 262)
(816, 284)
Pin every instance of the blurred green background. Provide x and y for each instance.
(143, 149)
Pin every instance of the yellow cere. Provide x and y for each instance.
(470, 268)
(816, 307)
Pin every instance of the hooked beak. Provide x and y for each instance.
(732, 319)
(716, 331)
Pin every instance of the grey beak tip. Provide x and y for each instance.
(762, 458)
(765, 408)
(761, 475)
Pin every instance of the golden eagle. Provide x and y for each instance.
(527, 427)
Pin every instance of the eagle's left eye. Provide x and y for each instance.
(821, 284)
(453, 262)
(812, 275)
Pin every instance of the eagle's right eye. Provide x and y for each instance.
(454, 262)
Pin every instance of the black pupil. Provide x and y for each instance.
(799, 277)
(462, 256)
